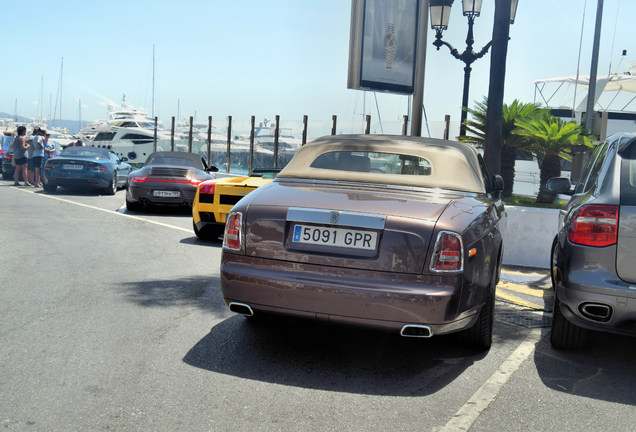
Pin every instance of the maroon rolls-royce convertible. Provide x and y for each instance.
(393, 232)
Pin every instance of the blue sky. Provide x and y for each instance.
(285, 57)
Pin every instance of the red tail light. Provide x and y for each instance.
(206, 188)
(448, 254)
(233, 228)
(138, 179)
(595, 225)
(96, 168)
(196, 182)
(8, 157)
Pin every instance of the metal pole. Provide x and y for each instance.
(304, 141)
(172, 135)
(190, 137)
(420, 63)
(405, 123)
(253, 121)
(367, 127)
(276, 142)
(209, 140)
(334, 119)
(154, 145)
(494, 115)
(591, 92)
(446, 126)
(464, 114)
(229, 140)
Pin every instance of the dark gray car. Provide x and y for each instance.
(593, 265)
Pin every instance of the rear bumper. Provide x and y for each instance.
(351, 296)
(621, 301)
(7, 168)
(145, 195)
(588, 278)
(65, 179)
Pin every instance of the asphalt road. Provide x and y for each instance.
(111, 320)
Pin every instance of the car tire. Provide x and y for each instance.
(111, 189)
(6, 176)
(133, 205)
(564, 334)
(48, 187)
(480, 334)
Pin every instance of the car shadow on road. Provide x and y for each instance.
(603, 370)
(330, 357)
(199, 291)
(156, 210)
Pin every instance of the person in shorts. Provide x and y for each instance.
(20, 146)
(33, 140)
(38, 156)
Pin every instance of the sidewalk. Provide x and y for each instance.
(526, 296)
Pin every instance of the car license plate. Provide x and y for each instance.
(72, 167)
(340, 237)
(166, 194)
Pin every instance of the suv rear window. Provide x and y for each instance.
(628, 176)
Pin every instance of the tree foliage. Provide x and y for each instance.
(551, 138)
(513, 144)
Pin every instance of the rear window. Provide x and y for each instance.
(96, 152)
(370, 162)
(171, 161)
(628, 176)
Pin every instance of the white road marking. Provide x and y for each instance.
(489, 390)
(117, 212)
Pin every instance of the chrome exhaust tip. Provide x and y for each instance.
(416, 330)
(241, 308)
(596, 311)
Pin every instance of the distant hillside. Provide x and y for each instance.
(73, 126)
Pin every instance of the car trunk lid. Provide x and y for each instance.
(342, 226)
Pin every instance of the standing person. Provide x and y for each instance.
(51, 149)
(34, 140)
(38, 156)
(20, 147)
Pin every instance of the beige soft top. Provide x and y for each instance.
(454, 165)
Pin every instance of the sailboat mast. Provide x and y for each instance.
(61, 81)
(153, 81)
(41, 98)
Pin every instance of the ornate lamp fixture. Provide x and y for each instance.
(440, 14)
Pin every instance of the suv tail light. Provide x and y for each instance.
(233, 228)
(595, 225)
(448, 255)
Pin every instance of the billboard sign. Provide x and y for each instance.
(383, 45)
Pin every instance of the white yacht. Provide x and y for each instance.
(128, 132)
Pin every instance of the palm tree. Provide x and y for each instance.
(512, 143)
(552, 138)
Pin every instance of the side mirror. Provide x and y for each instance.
(497, 186)
(560, 185)
(123, 159)
(213, 169)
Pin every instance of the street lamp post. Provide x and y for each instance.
(440, 13)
